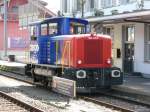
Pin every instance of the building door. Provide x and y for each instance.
(128, 45)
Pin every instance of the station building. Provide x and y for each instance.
(20, 14)
(128, 23)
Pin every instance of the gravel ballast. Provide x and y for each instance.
(45, 99)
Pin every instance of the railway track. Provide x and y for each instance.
(115, 107)
(10, 104)
(12, 76)
(103, 103)
(129, 99)
(123, 108)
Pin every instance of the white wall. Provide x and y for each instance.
(107, 11)
(140, 65)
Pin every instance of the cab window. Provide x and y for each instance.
(77, 28)
(43, 29)
(53, 28)
(33, 33)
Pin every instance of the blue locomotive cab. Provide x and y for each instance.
(60, 26)
(42, 31)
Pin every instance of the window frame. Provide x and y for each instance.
(147, 43)
(127, 40)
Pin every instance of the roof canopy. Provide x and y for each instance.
(141, 16)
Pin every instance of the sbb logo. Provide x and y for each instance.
(34, 48)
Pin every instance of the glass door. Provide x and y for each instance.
(128, 60)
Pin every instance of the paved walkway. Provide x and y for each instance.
(135, 84)
(12, 64)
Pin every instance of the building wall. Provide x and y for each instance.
(14, 33)
(27, 14)
(140, 65)
(117, 44)
(119, 5)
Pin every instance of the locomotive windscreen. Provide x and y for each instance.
(93, 51)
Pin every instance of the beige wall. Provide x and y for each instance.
(117, 44)
(139, 64)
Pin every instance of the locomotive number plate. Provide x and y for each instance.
(64, 86)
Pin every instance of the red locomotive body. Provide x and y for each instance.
(86, 58)
(87, 51)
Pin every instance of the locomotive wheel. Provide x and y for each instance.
(32, 72)
(45, 82)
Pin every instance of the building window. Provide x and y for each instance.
(1, 9)
(33, 33)
(53, 29)
(108, 31)
(43, 29)
(130, 34)
(78, 5)
(127, 1)
(91, 4)
(108, 3)
(65, 6)
(147, 43)
(15, 9)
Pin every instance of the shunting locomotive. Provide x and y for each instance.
(60, 47)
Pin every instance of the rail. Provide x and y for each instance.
(127, 99)
(19, 103)
(108, 105)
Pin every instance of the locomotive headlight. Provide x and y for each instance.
(81, 74)
(115, 73)
(79, 62)
(108, 61)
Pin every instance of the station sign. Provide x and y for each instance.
(64, 86)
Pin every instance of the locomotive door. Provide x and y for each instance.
(128, 45)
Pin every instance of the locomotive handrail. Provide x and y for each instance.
(56, 52)
(64, 50)
(62, 59)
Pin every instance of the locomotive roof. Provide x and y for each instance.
(79, 36)
(57, 19)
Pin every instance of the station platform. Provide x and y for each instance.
(13, 66)
(135, 85)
